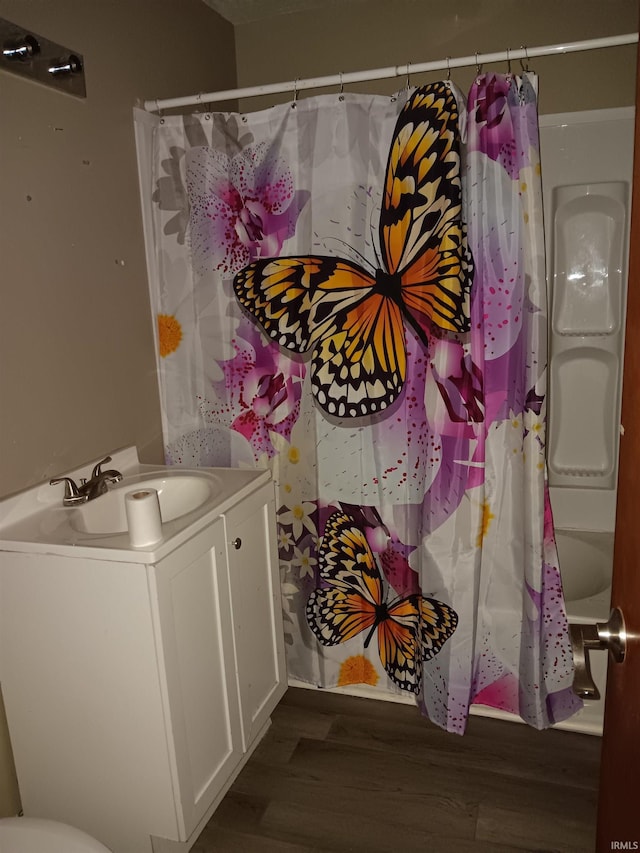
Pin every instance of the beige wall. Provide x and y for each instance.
(77, 369)
(365, 34)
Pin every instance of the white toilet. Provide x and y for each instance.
(33, 835)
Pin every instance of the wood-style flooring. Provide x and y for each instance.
(338, 773)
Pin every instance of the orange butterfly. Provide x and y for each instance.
(410, 629)
(353, 319)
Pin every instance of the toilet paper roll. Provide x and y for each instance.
(143, 517)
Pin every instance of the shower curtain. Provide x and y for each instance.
(350, 291)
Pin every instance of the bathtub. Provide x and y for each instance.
(586, 563)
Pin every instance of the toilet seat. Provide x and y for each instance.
(35, 835)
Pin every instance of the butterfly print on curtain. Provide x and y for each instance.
(353, 319)
(410, 629)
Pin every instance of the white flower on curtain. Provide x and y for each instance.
(242, 207)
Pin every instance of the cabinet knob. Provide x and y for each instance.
(237, 543)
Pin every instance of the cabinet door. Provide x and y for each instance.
(196, 660)
(256, 608)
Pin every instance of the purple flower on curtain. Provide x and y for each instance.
(259, 393)
(397, 570)
(269, 395)
(453, 392)
(242, 207)
(493, 133)
(266, 386)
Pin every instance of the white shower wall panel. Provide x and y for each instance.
(587, 164)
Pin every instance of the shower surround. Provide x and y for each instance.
(587, 167)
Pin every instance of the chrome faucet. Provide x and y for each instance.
(97, 485)
(89, 489)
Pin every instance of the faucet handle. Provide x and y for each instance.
(97, 470)
(71, 491)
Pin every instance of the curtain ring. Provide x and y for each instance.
(524, 67)
(478, 66)
(448, 68)
(509, 61)
(341, 93)
(295, 94)
(408, 80)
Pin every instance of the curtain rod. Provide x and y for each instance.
(448, 63)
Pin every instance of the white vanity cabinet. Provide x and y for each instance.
(135, 691)
(218, 619)
(257, 623)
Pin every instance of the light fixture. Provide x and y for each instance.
(41, 60)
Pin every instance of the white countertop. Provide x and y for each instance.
(35, 521)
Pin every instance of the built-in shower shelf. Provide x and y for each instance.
(588, 282)
(589, 239)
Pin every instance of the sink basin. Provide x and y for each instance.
(36, 521)
(178, 495)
